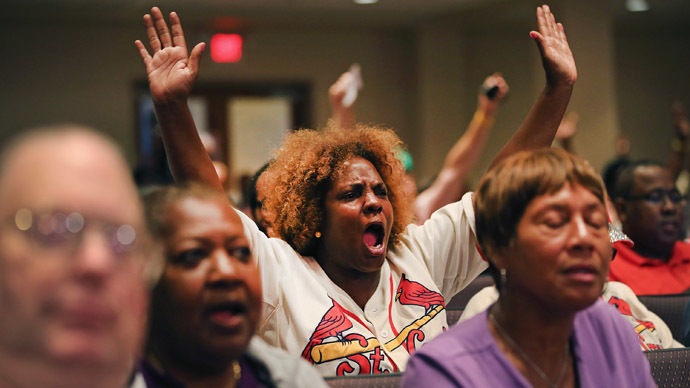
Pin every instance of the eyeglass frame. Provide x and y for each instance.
(648, 197)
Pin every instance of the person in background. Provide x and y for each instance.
(341, 286)
(541, 223)
(650, 208)
(209, 275)
(75, 265)
(652, 331)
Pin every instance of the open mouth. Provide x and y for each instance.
(234, 308)
(373, 237)
(228, 315)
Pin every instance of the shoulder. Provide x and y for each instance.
(287, 370)
(462, 340)
(461, 357)
(603, 324)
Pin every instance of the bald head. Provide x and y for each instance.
(72, 292)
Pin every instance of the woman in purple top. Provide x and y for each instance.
(542, 224)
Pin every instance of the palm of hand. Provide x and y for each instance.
(558, 61)
(169, 75)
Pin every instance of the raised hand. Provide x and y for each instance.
(485, 103)
(556, 56)
(170, 71)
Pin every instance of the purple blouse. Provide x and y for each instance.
(605, 347)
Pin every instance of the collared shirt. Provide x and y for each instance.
(653, 276)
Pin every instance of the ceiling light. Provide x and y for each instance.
(365, 1)
(637, 5)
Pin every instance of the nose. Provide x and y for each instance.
(372, 203)
(581, 239)
(667, 206)
(95, 259)
(223, 272)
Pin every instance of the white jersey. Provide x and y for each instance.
(305, 313)
(652, 332)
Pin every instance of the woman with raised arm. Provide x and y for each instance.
(542, 224)
(350, 287)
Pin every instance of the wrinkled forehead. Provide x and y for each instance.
(82, 174)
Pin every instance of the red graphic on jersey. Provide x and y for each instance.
(352, 347)
(413, 293)
(333, 324)
(624, 308)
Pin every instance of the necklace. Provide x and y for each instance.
(236, 372)
(527, 358)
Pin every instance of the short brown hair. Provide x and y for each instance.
(305, 167)
(506, 190)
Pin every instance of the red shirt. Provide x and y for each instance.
(653, 276)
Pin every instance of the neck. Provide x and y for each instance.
(546, 346)
(359, 285)
(225, 376)
(545, 327)
(660, 252)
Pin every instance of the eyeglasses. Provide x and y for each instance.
(60, 233)
(657, 196)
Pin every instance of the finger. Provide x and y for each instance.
(145, 56)
(195, 58)
(552, 23)
(561, 33)
(550, 20)
(539, 40)
(541, 20)
(161, 27)
(177, 33)
(152, 34)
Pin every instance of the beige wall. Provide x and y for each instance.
(421, 81)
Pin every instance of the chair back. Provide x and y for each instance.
(670, 309)
(459, 301)
(670, 367)
(384, 380)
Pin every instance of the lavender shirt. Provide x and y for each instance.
(605, 346)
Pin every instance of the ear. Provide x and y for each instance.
(497, 257)
(621, 207)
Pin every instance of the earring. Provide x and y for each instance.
(317, 234)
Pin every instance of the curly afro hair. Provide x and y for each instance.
(309, 161)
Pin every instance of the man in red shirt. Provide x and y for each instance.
(651, 212)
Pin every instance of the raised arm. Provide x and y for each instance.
(342, 95)
(171, 75)
(539, 128)
(448, 185)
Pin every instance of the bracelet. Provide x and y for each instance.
(678, 145)
(481, 118)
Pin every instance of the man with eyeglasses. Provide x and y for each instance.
(73, 263)
(650, 208)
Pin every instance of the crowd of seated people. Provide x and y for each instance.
(344, 270)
